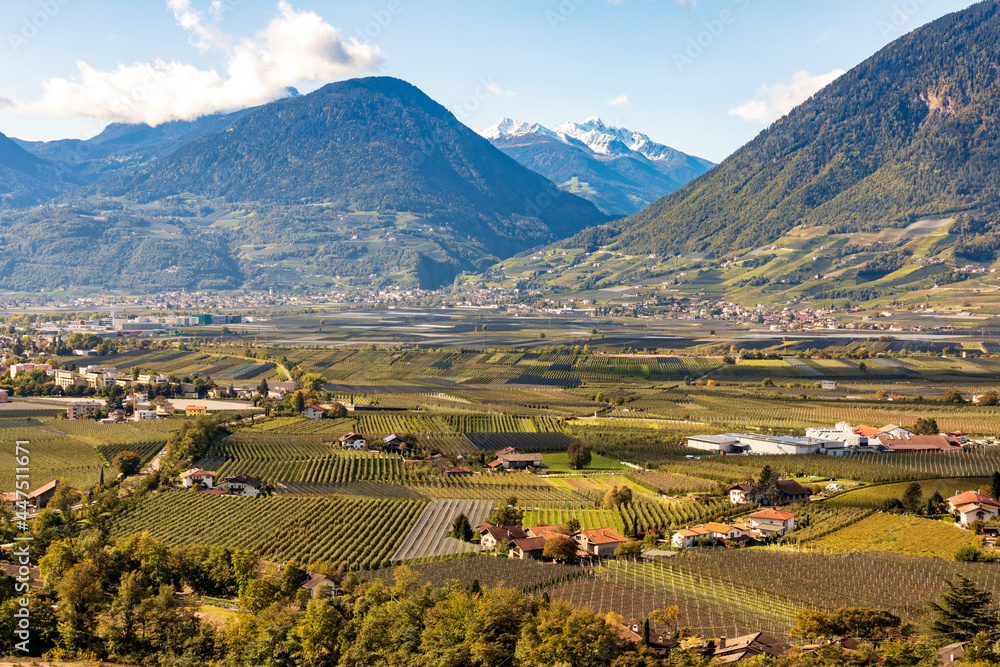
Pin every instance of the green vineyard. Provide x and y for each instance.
(342, 533)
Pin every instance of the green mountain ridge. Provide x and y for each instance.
(363, 182)
(911, 132)
(376, 144)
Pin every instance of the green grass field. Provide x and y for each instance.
(558, 462)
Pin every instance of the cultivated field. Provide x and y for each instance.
(903, 534)
(429, 535)
(338, 532)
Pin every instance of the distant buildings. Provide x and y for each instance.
(838, 440)
(15, 369)
(761, 525)
(753, 443)
(81, 409)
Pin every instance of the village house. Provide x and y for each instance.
(165, 409)
(741, 648)
(144, 415)
(153, 378)
(748, 492)
(42, 496)
(519, 461)
(600, 542)
(80, 409)
(394, 444)
(631, 631)
(319, 585)
(973, 506)
(352, 442)
(772, 522)
(197, 476)
(457, 472)
(952, 653)
(195, 410)
(528, 547)
(242, 485)
(688, 537)
(720, 533)
(314, 412)
(490, 536)
(3, 396)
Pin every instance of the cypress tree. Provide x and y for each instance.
(995, 484)
(645, 632)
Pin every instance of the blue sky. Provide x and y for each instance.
(703, 76)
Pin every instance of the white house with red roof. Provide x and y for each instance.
(974, 506)
(772, 522)
(198, 476)
(314, 412)
(600, 542)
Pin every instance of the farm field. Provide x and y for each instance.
(75, 450)
(337, 532)
(899, 582)
(559, 463)
(903, 534)
(530, 491)
(867, 468)
(668, 483)
(429, 535)
(488, 570)
(875, 497)
(526, 441)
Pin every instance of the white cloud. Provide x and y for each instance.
(296, 46)
(686, 4)
(621, 100)
(775, 101)
(500, 92)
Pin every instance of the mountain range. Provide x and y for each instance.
(618, 170)
(359, 179)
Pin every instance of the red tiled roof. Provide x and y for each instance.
(774, 515)
(921, 443)
(44, 489)
(971, 497)
(602, 535)
(197, 471)
(531, 543)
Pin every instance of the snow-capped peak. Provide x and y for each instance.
(611, 140)
(508, 127)
(592, 132)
